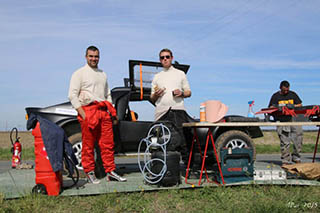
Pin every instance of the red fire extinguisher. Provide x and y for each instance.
(16, 149)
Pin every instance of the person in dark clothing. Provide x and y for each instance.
(286, 134)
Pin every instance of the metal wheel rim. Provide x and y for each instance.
(236, 143)
(77, 147)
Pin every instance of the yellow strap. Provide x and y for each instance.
(141, 86)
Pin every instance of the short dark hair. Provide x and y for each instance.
(284, 84)
(92, 48)
(165, 50)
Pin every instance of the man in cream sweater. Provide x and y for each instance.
(89, 94)
(169, 89)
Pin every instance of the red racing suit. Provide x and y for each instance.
(97, 126)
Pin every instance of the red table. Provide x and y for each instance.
(310, 112)
(196, 138)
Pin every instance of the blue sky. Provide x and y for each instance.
(238, 50)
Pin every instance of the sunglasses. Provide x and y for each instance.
(166, 56)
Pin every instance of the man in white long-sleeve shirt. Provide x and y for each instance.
(89, 94)
(169, 89)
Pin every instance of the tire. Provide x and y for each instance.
(235, 139)
(76, 141)
(39, 189)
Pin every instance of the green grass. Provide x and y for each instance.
(250, 198)
(27, 154)
(274, 149)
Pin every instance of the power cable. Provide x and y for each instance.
(259, 21)
(234, 18)
(266, 17)
(158, 137)
(204, 31)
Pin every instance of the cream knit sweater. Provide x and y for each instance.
(88, 85)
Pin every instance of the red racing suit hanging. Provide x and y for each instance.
(97, 126)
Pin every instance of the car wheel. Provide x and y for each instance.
(235, 139)
(39, 189)
(76, 142)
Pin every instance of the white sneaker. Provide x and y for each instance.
(115, 176)
(91, 178)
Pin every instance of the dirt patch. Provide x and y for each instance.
(26, 139)
(271, 138)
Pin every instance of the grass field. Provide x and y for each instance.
(26, 139)
(214, 199)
